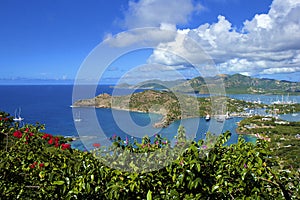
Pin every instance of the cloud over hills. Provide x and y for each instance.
(269, 43)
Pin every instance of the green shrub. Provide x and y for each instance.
(35, 165)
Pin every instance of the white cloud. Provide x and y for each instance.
(142, 36)
(155, 71)
(280, 70)
(269, 43)
(151, 13)
(183, 51)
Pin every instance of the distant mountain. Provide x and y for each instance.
(239, 84)
(28, 81)
(233, 84)
(153, 84)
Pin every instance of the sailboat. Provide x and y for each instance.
(282, 101)
(227, 115)
(77, 118)
(222, 117)
(294, 114)
(18, 117)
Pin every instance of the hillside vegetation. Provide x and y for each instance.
(233, 84)
(240, 84)
(171, 106)
(284, 142)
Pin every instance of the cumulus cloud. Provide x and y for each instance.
(151, 13)
(269, 43)
(154, 71)
(142, 36)
(276, 70)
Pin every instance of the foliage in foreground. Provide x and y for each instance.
(34, 165)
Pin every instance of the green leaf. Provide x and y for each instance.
(58, 183)
(215, 187)
(198, 167)
(149, 195)
(92, 177)
(131, 187)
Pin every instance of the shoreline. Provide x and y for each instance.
(256, 135)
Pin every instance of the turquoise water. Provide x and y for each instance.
(134, 126)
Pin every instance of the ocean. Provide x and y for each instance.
(50, 105)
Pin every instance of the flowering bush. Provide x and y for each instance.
(34, 168)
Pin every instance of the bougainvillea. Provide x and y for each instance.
(65, 146)
(38, 170)
(18, 134)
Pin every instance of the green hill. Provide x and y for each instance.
(240, 84)
(171, 106)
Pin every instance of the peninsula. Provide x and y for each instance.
(175, 106)
(159, 102)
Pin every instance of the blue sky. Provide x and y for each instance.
(50, 39)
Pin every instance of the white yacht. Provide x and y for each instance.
(207, 118)
(18, 117)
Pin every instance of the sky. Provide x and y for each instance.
(53, 39)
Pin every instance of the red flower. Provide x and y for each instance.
(31, 134)
(50, 141)
(65, 146)
(0, 118)
(33, 165)
(47, 136)
(56, 142)
(97, 145)
(6, 119)
(41, 164)
(26, 130)
(17, 134)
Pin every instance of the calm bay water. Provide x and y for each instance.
(50, 105)
(46, 104)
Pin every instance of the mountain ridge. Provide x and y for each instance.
(233, 84)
